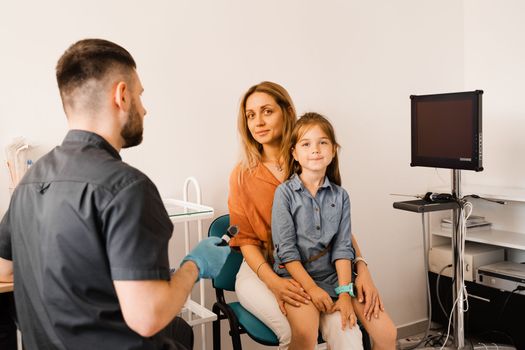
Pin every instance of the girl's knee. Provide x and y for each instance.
(387, 338)
(390, 333)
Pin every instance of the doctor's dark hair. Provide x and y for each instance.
(91, 60)
(305, 123)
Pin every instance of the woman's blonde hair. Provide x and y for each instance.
(305, 123)
(251, 149)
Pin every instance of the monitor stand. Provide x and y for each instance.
(458, 236)
(420, 206)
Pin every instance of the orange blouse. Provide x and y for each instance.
(250, 203)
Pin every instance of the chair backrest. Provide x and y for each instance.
(226, 278)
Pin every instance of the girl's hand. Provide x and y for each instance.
(368, 293)
(344, 306)
(321, 299)
(288, 291)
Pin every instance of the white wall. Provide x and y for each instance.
(357, 62)
(495, 62)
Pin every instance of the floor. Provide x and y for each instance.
(435, 340)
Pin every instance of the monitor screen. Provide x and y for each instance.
(446, 130)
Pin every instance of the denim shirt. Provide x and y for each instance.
(303, 226)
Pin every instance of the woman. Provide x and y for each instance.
(265, 122)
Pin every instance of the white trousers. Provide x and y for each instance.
(255, 297)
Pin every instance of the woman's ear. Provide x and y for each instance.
(294, 154)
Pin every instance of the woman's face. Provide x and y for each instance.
(264, 118)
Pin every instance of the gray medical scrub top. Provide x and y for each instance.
(80, 219)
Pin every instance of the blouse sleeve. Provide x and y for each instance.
(283, 228)
(238, 214)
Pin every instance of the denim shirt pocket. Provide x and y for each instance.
(332, 219)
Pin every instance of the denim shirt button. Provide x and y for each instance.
(317, 227)
(332, 205)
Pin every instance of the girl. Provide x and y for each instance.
(265, 122)
(312, 238)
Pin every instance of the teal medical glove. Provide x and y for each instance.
(208, 256)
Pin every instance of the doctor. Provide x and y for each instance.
(86, 235)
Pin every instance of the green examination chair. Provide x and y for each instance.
(241, 321)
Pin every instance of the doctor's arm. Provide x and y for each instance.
(6, 270)
(6, 263)
(149, 305)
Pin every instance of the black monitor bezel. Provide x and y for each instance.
(434, 162)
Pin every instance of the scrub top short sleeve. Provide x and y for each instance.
(137, 230)
(5, 238)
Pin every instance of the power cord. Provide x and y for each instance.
(518, 288)
(464, 215)
(465, 212)
(437, 289)
(491, 333)
(486, 199)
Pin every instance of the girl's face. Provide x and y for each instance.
(264, 118)
(314, 150)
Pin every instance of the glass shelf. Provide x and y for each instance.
(203, 315)
(181, 211)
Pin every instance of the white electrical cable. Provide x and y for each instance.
(449, 323)
(465, 211)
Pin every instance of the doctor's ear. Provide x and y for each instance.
(120, 95)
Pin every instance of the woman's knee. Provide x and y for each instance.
(304, 336)
(284, 335)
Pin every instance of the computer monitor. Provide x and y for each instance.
(446, 130)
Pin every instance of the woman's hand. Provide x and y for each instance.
(367, 292)
(288, 291)
(321, 299)
(344, 306)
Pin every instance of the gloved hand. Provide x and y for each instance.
(208, 256)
